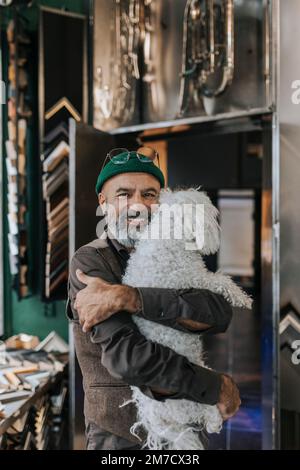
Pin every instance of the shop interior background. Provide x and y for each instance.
(225, 120)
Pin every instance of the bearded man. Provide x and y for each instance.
(111, 351)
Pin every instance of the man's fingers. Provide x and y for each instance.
(229, 414)
(89, 322)
(87, 326)
(227, 417)
(81, 318)
(81, 315)
(77, 302)
(232, 410)
(84, 278)
(78, 308)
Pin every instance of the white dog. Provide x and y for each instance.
(174, 262)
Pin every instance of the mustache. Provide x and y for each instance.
(133, 214)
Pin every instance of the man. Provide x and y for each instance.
(115, 354)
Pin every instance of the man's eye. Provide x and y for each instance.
(150, 195)
(123, 195)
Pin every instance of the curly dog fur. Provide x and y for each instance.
(174, 424)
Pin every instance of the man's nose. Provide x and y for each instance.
(137, 209)
(136, 199)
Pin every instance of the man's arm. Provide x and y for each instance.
(189, 310)
(186, 309)
(128, 355)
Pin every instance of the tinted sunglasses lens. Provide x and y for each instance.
(147, 154)
(119, 155)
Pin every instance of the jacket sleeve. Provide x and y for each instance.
(129, 356)
(201, 305)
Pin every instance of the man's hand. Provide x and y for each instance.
(192, 324)
(229, 400)
(99, 300)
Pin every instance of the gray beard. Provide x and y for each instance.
(125, 239)
(126, 235)
(127, 242)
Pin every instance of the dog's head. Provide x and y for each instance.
(194, 210)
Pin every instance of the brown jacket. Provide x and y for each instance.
(116, 355)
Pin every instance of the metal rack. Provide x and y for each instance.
(57, 103)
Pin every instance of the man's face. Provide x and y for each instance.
(131, 196)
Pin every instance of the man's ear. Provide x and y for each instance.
(102, 202)
(101, 198)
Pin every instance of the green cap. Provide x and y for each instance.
(134, 165)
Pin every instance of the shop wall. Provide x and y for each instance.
(31, 315)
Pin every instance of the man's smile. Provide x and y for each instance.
(136, 221)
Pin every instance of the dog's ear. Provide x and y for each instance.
(202, 222)
(165, 194)
(199, 216)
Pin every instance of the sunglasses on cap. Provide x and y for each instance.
(119, 156)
